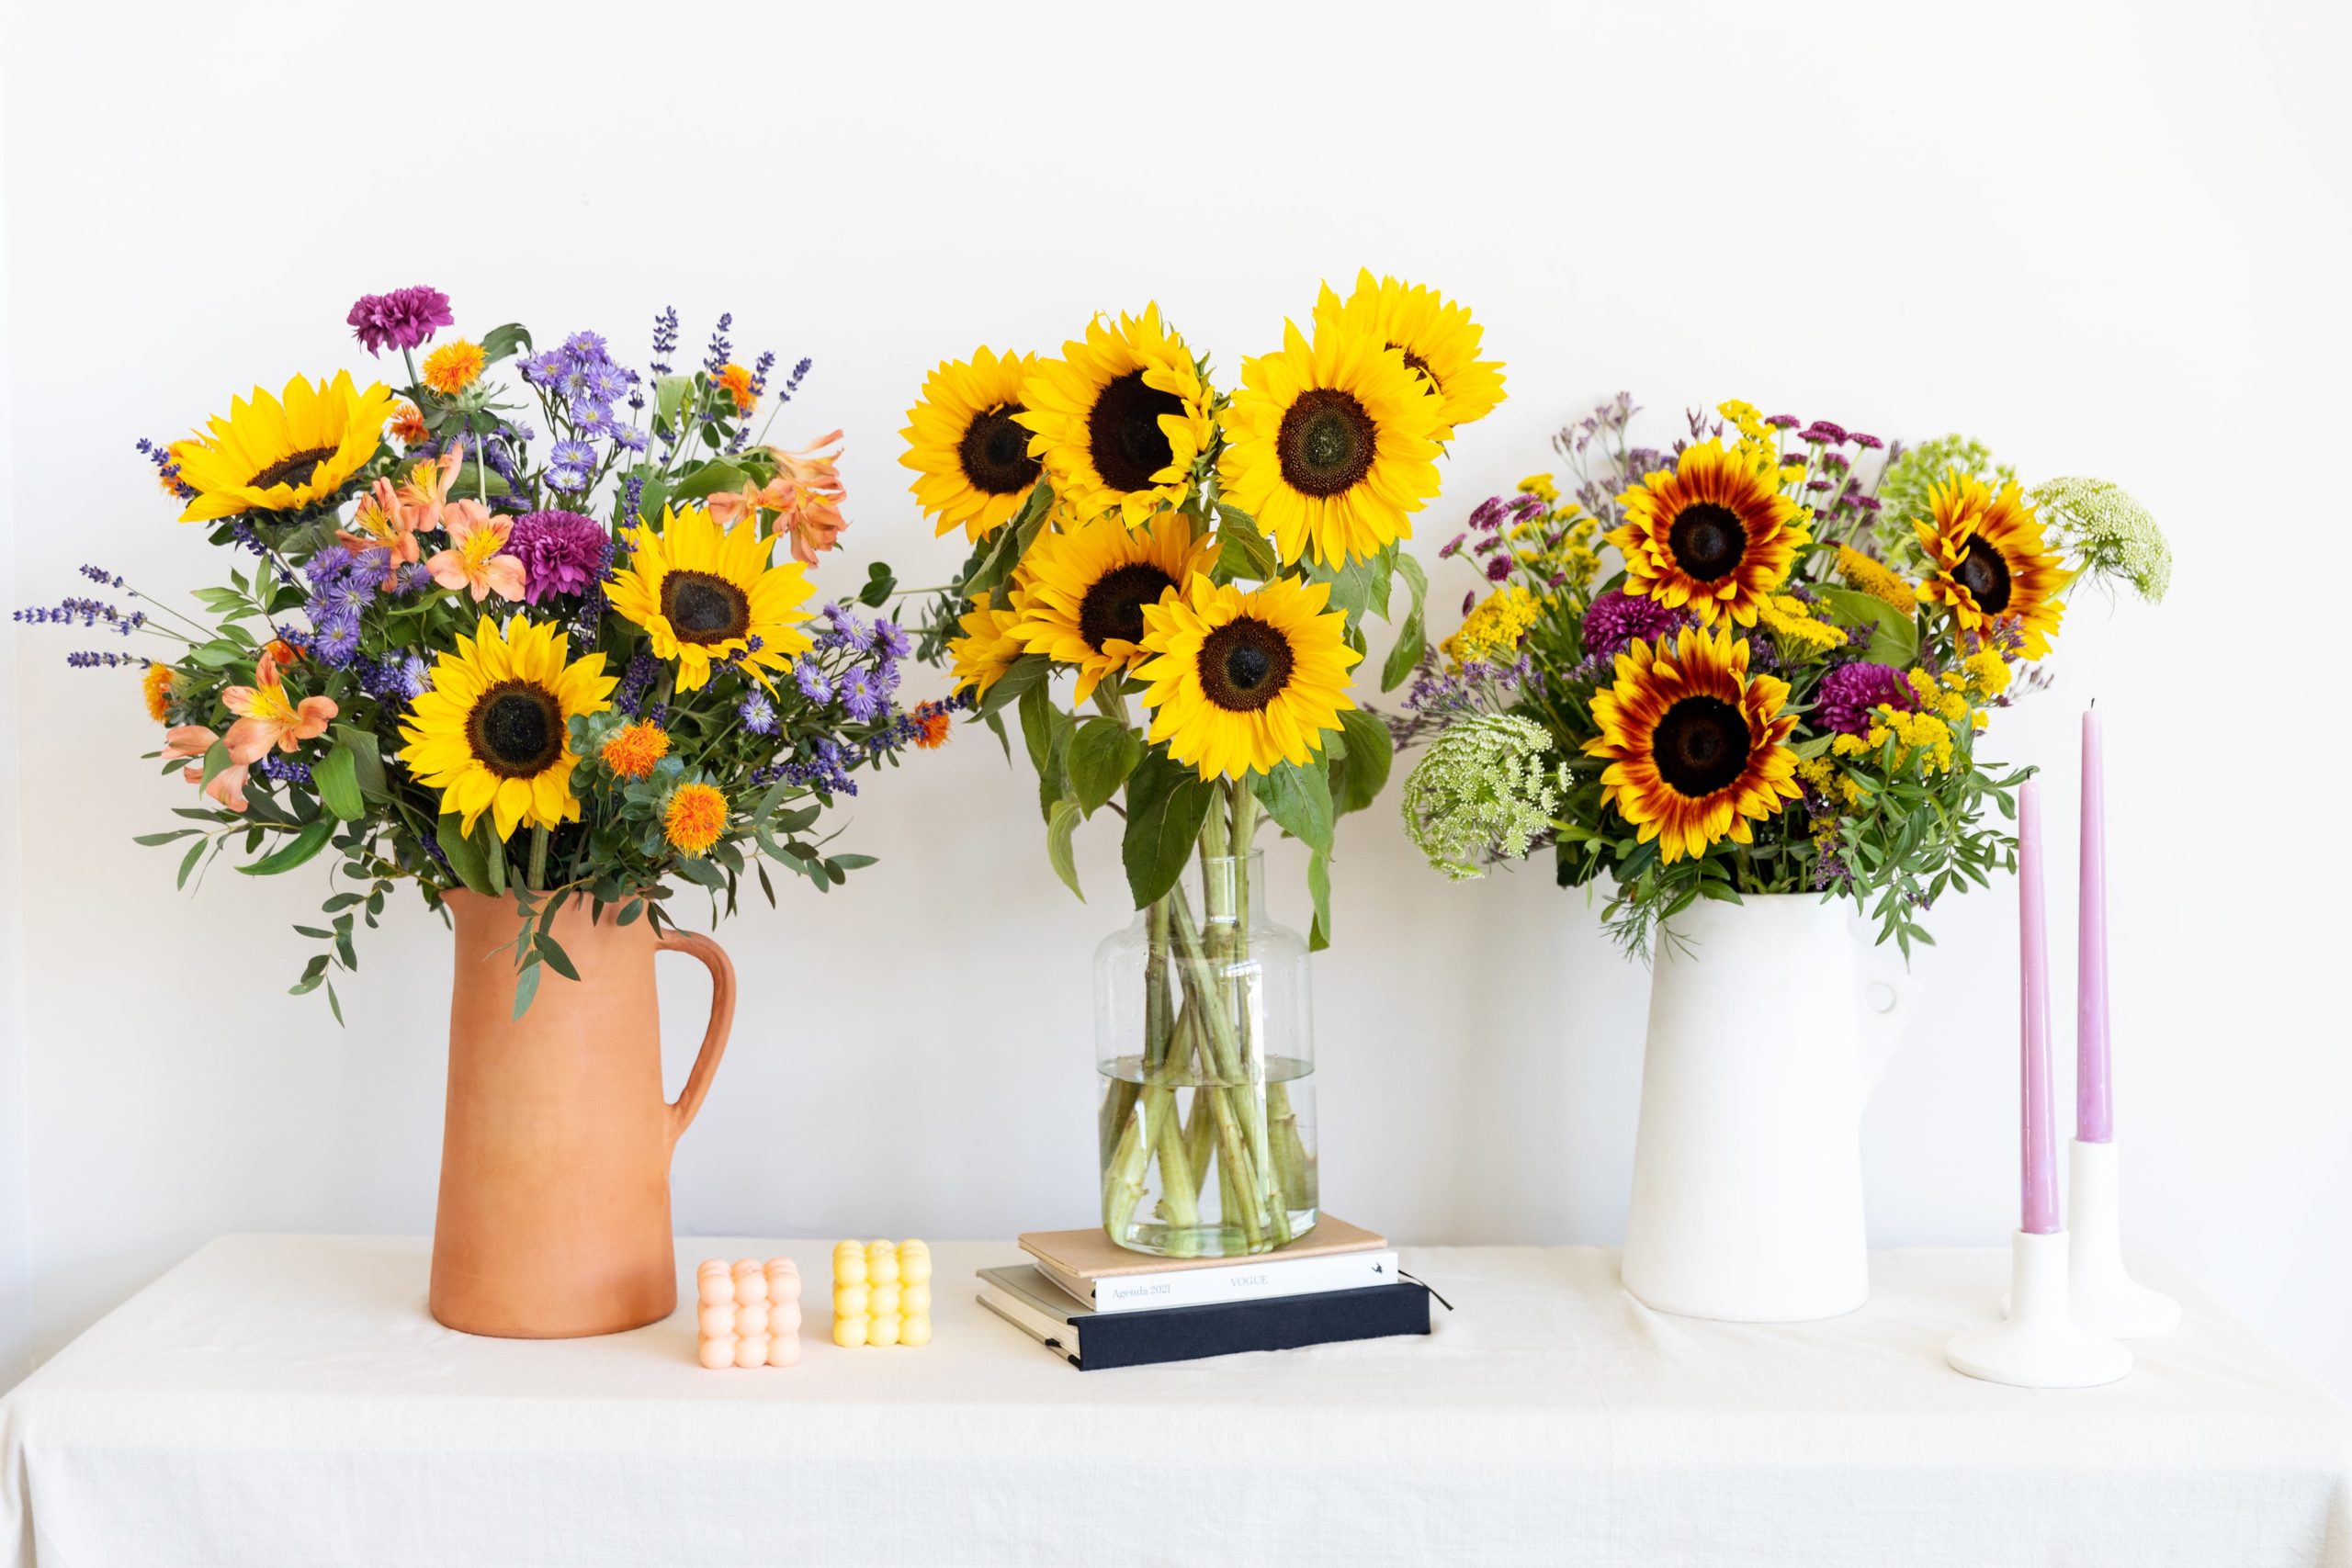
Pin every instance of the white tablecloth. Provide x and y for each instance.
(286, 1400)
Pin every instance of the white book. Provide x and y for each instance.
(1241, 1279)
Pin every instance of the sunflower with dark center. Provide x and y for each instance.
(706, 594)
(966, 444)
(1084, 594)
(987, 649)
(493, 730)
(1332, 445)
(1238, 683)
(1713, 535)
(282, 454)
(1696, 745)
(1120, 420)
(1993, 568)
(1436, 337)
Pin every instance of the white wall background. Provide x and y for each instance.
(2107, 242)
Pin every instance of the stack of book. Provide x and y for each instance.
(1098, 1305)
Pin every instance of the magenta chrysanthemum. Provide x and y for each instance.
(402, 320)
(561, 552)
(1616, 618)
(1848, 691)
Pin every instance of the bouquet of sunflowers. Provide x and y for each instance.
(1780, 684)
(529, 639)
(1209, 557)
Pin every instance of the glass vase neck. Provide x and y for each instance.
(1232, 887)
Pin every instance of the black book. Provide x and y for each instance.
(1091, 1340)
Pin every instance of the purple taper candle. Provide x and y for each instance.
(2094, 1096)
(2039, 1139)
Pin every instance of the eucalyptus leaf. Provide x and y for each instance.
(297, 851)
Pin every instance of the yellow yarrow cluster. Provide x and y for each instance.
(1792, 619)
(1495, 627)
(1540, 486)
(1875, 579)
(1830, 782)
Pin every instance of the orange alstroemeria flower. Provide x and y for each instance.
(424, 496)
(477, 557)
(383, 523)
(805, 495)
(187, 740)
(266, 716)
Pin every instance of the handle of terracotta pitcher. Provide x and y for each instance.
(714, 1039)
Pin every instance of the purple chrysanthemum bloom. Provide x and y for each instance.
(1499, 568)
(812, 682)
(1452, 547)
(1783, 421)
(1848, 691)
(1616, 618)
(561, 552)
(402, 318)
(1867, 442)
(757, 713)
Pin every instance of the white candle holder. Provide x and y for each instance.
(2107, 1300)
(2038, 1345)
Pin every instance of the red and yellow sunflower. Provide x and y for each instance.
(1696, 745)
(1714, 535)
(1990, 564)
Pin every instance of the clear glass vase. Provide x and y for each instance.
(1204, 1047)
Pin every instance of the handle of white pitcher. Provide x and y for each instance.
(1888, 1004)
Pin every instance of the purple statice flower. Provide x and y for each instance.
(402, 318)
(1617, 618)
(561, 552)
(812, 682)
(757, 713)
(1848, 691)
(569, 463)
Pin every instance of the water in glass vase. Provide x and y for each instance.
(1199, 1168)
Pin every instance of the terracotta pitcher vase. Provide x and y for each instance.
(554, 1219)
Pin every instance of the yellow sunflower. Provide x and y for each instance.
(1239, 681)
(282, 455)
(1990, 565)
(1436, 336)
(1695, 744)
(1715, 535)
(1120, 419)
(965, 438)
(703, 593)
(1087, 590)
(493, 732)
(988, 647)
(1330, 446)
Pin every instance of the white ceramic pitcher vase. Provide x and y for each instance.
(1770, 1025)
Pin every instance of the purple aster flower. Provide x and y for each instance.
(1617, 618)
(630, 438)
(561, 552)
(544, 369)
(402, 320)
(334, 636)
(812, 682)
(757, 713)
(891, 640)
(569, 464)
(852, 632)
(1848, 691)
(587, 348)
(591, 418)
(859, 699)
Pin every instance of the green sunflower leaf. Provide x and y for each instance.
(464, 855)
(1356, 781)
(1300, 799)
(501, 340)
(1020, 675)
(1243, 550)
(1061, 826)
(1167, 803)
(1318, 893)
(1101, 754)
